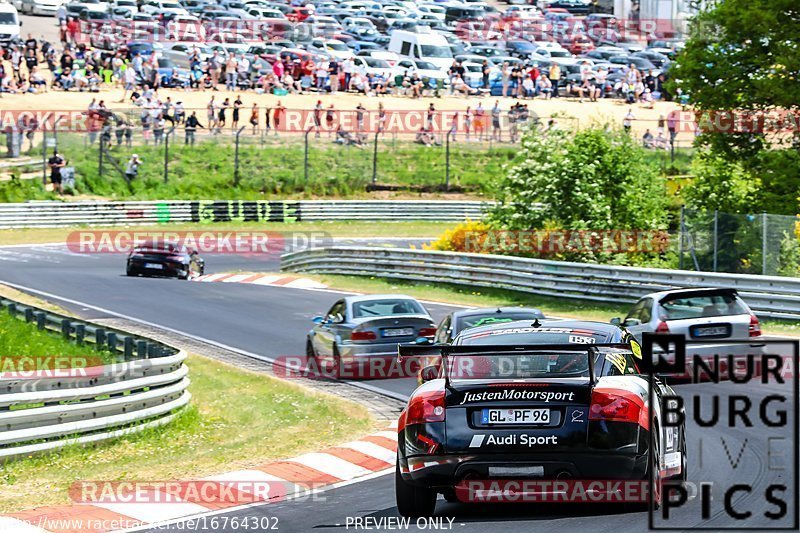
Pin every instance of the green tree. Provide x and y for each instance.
(744, 56)
(595, 179)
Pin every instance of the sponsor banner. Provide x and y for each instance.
(554, 242)
(553, 491)
(248, 243)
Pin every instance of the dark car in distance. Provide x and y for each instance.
(164, 259)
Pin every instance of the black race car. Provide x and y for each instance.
(537, 401)
(168, 259)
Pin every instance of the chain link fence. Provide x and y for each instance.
(750, 244)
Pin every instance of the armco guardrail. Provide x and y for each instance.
(55, 214)
(42, 410)
(768, 296)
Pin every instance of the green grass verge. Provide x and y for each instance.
(237, 419)
(273, 169)
(20, 340)
(487, 297)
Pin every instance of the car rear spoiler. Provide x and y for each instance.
(445, 351)
(697, 292)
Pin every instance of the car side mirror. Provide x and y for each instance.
(631, 322)
(617, 321)
(423, 340)
(318, 320)
(428, 373)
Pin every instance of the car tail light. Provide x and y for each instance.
(423, 408)
(662, 327)
(427, 332)
(357, 335)
(618, 406)
(754, 330)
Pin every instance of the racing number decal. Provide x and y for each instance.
(636, 348)
(579, 339)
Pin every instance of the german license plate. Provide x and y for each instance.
(156, 266)
(711, 331)
(516, 416)
(398, 332)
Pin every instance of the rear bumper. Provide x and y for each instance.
(355, 352)
(450, 469)
(166, 270)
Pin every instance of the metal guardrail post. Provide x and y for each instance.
(41, 319)
(99, 338)
(80, 333)
(111, 340)
(44, 155)
(447, 161)
(305, 156)
(66, 327)
(166, 153)
(764, 244)
(716, 237)
(236, 158)
(375, 158)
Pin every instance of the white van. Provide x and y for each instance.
(9, 22)
(422, 44)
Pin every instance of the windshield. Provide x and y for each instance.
(390, 307)
(679, 308)
(7, 18)
(494, 318)
(376, 63)
(165, 63)
(559, 53)
(424, 65)
(338, 47)
(429, 50)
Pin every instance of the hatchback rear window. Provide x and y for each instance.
(700, 306)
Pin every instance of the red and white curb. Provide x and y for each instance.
(262, 279)
(366, 457)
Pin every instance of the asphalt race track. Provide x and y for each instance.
(272, 321)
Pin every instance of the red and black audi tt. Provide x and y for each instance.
(548, 400)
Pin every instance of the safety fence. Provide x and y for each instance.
(776, 297)
(55, 214)
(46, 409)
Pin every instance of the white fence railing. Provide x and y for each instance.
(42, 409)
(55, 214)
(769, 296)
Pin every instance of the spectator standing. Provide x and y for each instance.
(505, 74)
(237, 106)
(348, 69)
(321, 74)
(230, 73)
(56, 163)
(627, 121)
(672, 126)
(496, 133)
(278, 116)
(254, 117)
(333, 73)
(190, 127)
(555, 78)
(485, 74)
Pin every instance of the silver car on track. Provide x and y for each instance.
(359, 327)
(697, 314)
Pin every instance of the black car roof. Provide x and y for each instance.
(486, 310)
(597, 328)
